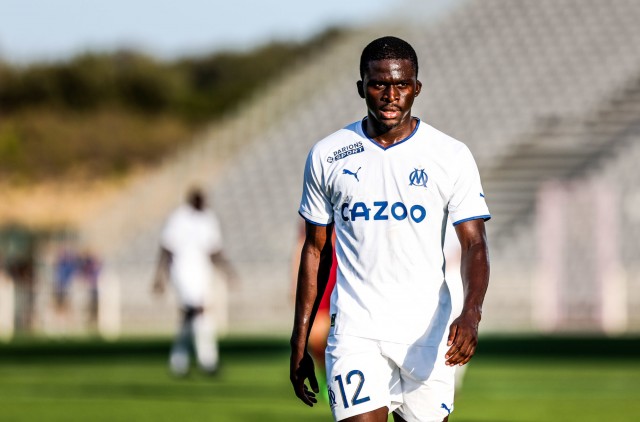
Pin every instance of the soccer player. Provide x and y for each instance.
(387, 184)
(190, 242)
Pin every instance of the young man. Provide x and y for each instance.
(190, 242)
(388, 184)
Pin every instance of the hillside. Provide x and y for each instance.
(73, 133)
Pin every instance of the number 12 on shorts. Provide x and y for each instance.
(355, 399)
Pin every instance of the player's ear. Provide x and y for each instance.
(360, 86)
(418, 88)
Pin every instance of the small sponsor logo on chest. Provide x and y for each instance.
(346, 151)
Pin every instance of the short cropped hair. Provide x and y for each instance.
(196, 198)
(387, 48)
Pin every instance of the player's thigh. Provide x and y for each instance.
(427, 382)
(398, 418)
(378, 415)
(359, 378)
(428, 400)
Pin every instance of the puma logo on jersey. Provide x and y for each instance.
(444, 406)
(346, 171)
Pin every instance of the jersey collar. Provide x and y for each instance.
(364, 134)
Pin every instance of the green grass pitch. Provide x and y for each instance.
(130, 382)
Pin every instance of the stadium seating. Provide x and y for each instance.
(540, 90)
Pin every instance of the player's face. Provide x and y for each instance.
(389, 88)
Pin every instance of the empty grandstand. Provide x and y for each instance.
(546, 93)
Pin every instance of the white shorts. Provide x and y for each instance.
(365, 375)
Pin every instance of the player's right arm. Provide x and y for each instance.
(315, 265)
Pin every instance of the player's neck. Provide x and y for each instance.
(388, 136)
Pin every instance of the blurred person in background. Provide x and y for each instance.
(89, 269)
(191, 243)
(20, 266)
(387, 185)
(65, 266)
(7, 314)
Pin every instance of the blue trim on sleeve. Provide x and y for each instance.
(312, 222)
(484, 217)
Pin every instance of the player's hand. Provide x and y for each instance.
(302, 368)
(463, 339)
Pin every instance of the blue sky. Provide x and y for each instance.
(34, 30)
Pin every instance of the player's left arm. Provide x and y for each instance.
(161, 276)
(220, 260)
(474, 268)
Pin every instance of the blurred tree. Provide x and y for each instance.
(112, 111)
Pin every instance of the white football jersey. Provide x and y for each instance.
(192, 237)
(390, 208)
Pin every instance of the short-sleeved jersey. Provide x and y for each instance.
(192, 237)
(390, 208)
